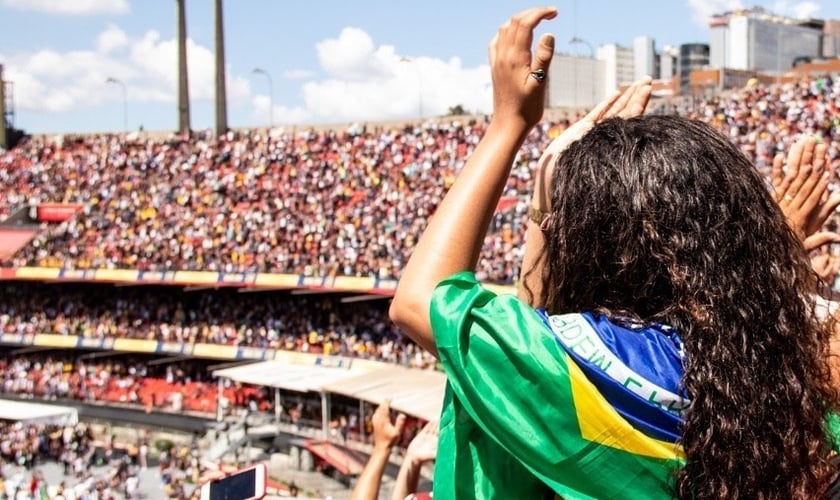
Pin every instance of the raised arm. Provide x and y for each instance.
(422, 449)
(454, 236)
(385, 436)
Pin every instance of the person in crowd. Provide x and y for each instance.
(801, 187)
(421, 450)
(386, 434)
(665, 342)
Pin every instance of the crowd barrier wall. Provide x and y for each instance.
(372, 285)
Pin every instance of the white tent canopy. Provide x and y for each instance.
(415, 392)
(293, 377)
(36, 413)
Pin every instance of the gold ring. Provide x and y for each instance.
(788, 198)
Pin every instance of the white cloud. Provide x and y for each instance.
(702, 10)
(370, 83)
(352, 56)
(58, 82)
(363, 82)
(71, 7)
(798, 10)
(400, 88)
(111, 39)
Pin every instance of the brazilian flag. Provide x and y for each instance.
(535, 406)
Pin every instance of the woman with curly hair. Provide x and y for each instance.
(665, 342)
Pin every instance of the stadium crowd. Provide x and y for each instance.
(311, 202)
(221, 316)
(319, 202)
(26, 447)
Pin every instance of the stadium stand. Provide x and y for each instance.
(130, 266)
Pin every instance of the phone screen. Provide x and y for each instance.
(235, 487)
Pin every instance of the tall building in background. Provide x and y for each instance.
(668, 62)
(575, 82)
(618, 66)
(754, 39)
(644, 57)
(693, 57)
(831, 39)
(183, 81)
(221, 91)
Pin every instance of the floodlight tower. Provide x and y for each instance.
(221, 91)
(183, 82)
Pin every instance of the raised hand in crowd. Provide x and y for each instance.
(422, 449)
(825, 264)
(801, 187)
(453, 238)
(628, 103)
(386, 434)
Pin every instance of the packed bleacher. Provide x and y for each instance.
(311, 202)
(318, 202)
(308, 202)
(318, 323)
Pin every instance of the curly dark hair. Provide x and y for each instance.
(662, 220)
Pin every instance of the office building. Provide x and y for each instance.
(618, 66)
(644, 57)
(575, 82)
(756, 40)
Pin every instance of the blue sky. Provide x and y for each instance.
(329, 61)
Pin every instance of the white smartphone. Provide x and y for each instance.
(244, 484)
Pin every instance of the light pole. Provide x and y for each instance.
(575, 41)
(125, 99)
(419, 84)
(270, 94)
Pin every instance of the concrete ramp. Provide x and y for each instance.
(345, 461)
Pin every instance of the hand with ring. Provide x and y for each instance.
(518, 73)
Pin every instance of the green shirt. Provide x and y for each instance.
(520, 419)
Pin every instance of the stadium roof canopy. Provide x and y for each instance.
(415, 392)
(35, 413)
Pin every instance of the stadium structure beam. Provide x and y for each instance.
(29, 350)
(183, 80)
(221, 90)
(315, 291)
(363, 298)
(164, 361)
(104, 354)
(222, 366)
(199, 288)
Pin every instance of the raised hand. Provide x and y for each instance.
(423, 448)
(385, 432)
(625, 104)
(800, 186)
(519, 77)
(826, 266)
